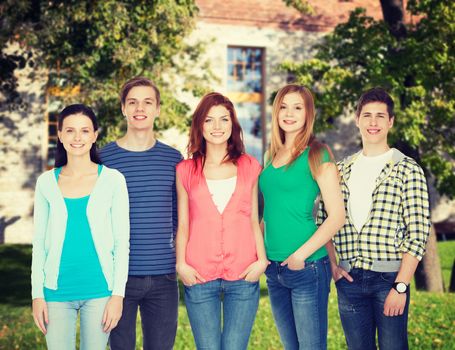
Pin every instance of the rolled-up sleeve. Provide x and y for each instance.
(416, 213)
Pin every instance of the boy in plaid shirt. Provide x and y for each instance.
(384, 237)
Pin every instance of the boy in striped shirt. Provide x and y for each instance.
(149, 168)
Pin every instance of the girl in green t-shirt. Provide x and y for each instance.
(297, 169)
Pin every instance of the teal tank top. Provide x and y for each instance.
(80, 275)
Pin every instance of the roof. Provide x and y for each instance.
(275, 13)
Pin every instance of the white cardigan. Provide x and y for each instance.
(108, 217)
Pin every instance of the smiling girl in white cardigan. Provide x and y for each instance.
(81, 239)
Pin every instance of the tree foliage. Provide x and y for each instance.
(301, 5)
(91, 47)
(416, 65)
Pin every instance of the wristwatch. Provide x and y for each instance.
(400, 287)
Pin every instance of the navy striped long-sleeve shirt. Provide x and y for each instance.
(150, 178)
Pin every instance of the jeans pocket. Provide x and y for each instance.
(268, 269)
(136, 283)
(171, 277)
(135, 287)
(339, 280)
(292, 270)
(296, 278)
(251, 282)
(389, 276)
(308, 266)
(192, 285)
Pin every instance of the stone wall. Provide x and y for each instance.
(23, 133)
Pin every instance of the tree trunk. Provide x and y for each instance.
(452, 279)
(393, 13)
(428, 275)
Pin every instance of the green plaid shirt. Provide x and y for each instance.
(399, 219)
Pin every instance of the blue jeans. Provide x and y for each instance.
(157, 298)
(299, 302)
(240, 300)
(361, 306)
(61, 329)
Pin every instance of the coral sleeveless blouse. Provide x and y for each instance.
(220, 245)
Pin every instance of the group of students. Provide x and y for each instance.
(111, 231)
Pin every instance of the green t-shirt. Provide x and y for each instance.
(289, 195)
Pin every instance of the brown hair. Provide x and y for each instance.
(197, 145)
(138, 81)
(305, 137)
(376, 94)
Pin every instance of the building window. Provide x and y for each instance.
(51, 138)
(245, 86)
(59, 88)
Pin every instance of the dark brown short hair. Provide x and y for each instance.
(376, 94)
(138, 81)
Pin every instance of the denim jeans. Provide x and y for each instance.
(299, 302)
(157, 299)
(61, 329)
(361, 306)
(240, 300)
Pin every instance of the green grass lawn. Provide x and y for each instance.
(431, 316)
(446, 252)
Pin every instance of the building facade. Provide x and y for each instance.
(246, 42)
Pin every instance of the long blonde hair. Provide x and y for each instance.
(305, 137)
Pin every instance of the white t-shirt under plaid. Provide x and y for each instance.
(398, 221)
(361, 184)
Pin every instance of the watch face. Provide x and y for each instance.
(401, 287)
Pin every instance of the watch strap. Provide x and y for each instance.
(398, 289)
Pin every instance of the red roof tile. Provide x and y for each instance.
(275, 13)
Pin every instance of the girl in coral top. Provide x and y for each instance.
(220, 249)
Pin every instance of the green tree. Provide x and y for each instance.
(416, 62)
(91, 47)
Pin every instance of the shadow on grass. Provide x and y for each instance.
(15, 263)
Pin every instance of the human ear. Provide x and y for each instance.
(391, 120)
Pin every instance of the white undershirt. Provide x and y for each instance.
(361, 184)
(221, 191)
